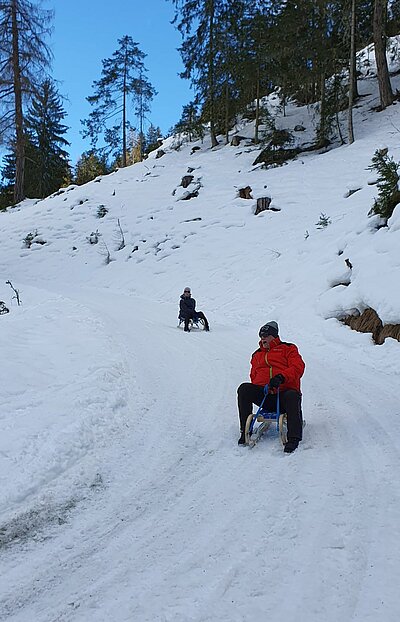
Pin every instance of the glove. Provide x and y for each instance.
(276, 381)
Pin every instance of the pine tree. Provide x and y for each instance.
(47, 167)
(89, 166)
(190, 123)
(388, 180)
(7, 183)
(122, 77)
(24, 27)
(257, 57)
(153, 136)
(199, 23)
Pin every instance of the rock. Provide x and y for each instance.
(190, 195)
(370, 322)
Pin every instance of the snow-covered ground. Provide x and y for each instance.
(123, 493)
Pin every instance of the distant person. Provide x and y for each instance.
(277, 364)
(187, 310)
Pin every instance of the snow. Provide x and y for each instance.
(123, 493)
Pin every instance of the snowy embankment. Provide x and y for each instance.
(62, 386)
(123, 494)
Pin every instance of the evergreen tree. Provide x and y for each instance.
(190, 123)
(257, 57)
(199, 24)
(123, 76)
(312, 42)
(24, 54)
(138, 148)
(153, 136)
(388, 188)
(89, 166)
(7, 183)
(47, 167)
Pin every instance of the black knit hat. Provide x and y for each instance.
(270, 328)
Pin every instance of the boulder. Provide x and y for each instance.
(370, 322)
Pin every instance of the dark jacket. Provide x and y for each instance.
(282, 358)
(187, 307)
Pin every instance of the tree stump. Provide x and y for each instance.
(186, 180)
(245, 193)
(263, 204)
(235, 142)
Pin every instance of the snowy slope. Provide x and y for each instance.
(123, 494)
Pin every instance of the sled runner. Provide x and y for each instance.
(263, 420)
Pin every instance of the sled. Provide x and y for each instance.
(263, 420)
(198, 324)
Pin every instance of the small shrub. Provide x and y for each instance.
(101, 211)
(388, 189)
(323, 222)
(28, 239)
(94, 237)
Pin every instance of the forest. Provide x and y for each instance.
(234, 53)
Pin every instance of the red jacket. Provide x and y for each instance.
(282, 358)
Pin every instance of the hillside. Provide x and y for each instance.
(124, 495)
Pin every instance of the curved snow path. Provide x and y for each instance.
(192, 528)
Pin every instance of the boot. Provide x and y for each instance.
(291, 445)
(242, 439)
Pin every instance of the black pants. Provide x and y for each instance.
(290, 403)
(197, 314)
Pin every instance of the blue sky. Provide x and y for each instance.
(85, 32)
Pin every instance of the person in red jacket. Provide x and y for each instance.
(277, 364)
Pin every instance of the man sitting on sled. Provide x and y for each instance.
(277, 364)
(187, 310)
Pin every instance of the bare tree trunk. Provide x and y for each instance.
(385, 89)
(322, 115)
(19, 194)
(356, 94)
(141, 115)
(226, 112)
(257, 119)
(214, 141)
(124, 113)
(352, 69)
